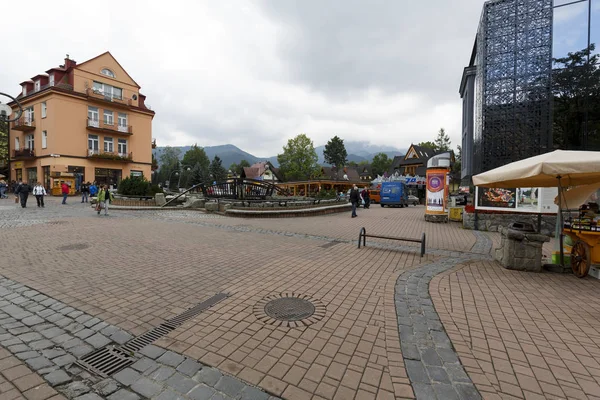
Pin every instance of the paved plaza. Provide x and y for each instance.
(388, 323)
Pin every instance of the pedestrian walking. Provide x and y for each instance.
(93, 189)
(354, 199)
(22, 191)
(366, 195)
(85, 191)
(64, 188)
(3, 189)
(39, 192)
(104, 199)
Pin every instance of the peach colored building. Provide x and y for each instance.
(81, 122)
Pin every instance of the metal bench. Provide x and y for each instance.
(363, 236)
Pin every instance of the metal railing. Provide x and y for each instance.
(93, 123)
(23, 153)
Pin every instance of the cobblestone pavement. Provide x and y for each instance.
(522, 335)
(135, 269)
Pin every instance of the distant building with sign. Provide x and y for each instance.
(85, 122)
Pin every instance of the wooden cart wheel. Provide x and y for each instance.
(581, 258)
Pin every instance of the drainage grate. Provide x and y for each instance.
(75, 246)
(106, 361)
(109, 360)
(57, 222)
(329, 244)
(289, 309)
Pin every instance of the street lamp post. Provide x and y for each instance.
(5, 112)
(185, 168)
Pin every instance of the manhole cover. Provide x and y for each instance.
(76, 246)
(289, 310)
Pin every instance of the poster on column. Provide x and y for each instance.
(436, 180)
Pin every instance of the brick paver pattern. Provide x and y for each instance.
(522, 335)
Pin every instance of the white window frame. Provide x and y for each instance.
(108, 117)
(24, 90)
(122, 146)
(93, 116)
(44, 109)
(29, 142)
(108, 72)
(122, 122)
(29, 115)
(36, 86)
(51, 79)
(109, 145)
(93, 144)
(44, 139)
(17, 144)
(107, 90)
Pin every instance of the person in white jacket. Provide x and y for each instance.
(39, 192)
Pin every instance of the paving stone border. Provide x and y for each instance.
(49, 336)
(432, 365)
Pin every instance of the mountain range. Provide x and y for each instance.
(229, 154)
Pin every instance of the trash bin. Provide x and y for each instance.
(521, 247)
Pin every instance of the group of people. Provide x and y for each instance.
(21, 191)
(357, 197)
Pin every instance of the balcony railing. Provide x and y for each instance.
(101, 125)
(109, 155)
(24, 124)
(23, 153)
(97, 94)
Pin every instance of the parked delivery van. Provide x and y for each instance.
(394, 194)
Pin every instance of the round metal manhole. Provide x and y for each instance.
(75, 246)
(289, 310)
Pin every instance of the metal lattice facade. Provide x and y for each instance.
(513, 118)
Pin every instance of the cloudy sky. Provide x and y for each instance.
(256, 73)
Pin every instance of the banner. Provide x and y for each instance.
(436, 191)
(497, 198)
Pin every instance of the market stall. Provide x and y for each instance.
(562, 169)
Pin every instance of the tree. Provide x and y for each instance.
(352, 164)
(576, 92)
(198, 175)
(299, 159)
(196, 155)
(218, 172)
(169, 162)
(335, 152)
(442, 142)
(457, 166)
(429, 145)
(380, 164)
(238, 168)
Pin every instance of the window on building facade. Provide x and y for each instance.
(29, 142)
(93, 144)
(24, 90)
(93, 116)
(36, 86)
(122, 122)
(44, 139)
(107, 72)
(109, 117)
(109, 145)
(122, 146)
(17, 144)
(51, 79)
(29, 115)
(108, 91)
(44, 109)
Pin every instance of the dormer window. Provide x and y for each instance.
(107, 72)
(36, 86)
(51, 79)
(24, 90)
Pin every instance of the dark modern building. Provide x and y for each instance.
(506, 88)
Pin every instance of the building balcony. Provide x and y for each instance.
(23, 153)
(110, 156)
(107, 97)
(112, 128)
(23, 124)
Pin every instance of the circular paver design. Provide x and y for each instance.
(75, 246)
(289, 310)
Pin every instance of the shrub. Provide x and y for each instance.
(137, 186)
